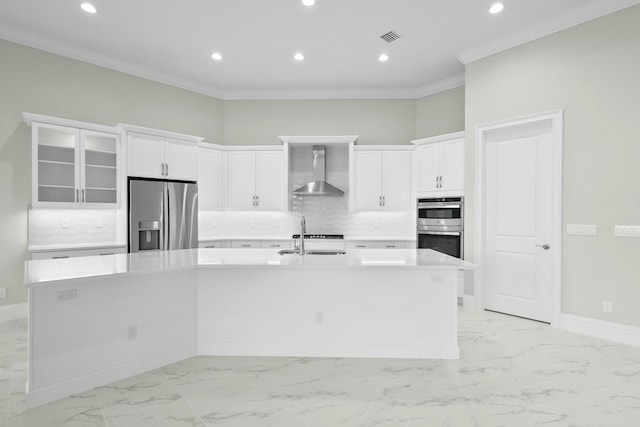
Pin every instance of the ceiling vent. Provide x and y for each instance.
(389, 37)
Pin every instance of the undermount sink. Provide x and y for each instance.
(312, 252)
(288, 251)
(325, 252)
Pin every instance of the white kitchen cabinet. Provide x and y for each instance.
(376, 244)
(245, 244)
(440, 165)
(255, 180)
(72, 253)
(214, 244)
(276, 244)
(381, 179)
(210, 174)
(156, 156)
(74, 164)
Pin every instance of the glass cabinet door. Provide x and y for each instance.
(57, 157)
(99, 167)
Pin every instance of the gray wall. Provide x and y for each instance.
(440, 113)
(377, 122)
(42, 83)
(591, 72)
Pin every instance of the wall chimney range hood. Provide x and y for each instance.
(319, 185)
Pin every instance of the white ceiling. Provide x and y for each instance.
(171, 41)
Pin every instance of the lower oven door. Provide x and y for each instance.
(448, 242)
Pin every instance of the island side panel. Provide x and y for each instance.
(332, 312)
(87, 340)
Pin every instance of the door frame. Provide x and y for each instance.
(556, 120)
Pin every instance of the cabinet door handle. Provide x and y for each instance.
(379, 200)
(257, 200)
(83, 200)
(166, 165)
(384, 201)
(77, 195)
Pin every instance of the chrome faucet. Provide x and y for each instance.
(303, 229)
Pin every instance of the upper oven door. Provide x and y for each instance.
(440, 213)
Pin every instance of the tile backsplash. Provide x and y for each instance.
(70, 226)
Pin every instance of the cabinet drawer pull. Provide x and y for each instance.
(361, 246)
(107, 253)
(61, 257)
(275, 246)
(245, 246)
(390, 246)
(211, 246)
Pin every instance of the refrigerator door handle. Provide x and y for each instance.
(167, 221)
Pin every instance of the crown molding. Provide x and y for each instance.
(587, 12)
(319, 94)
(49, 46)
(440, 86)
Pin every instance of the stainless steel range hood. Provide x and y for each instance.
(319, 186)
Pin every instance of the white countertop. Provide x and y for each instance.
(41, 272)
(214, 238)
(75, 246)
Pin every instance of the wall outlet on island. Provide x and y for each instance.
(132, 332)
(319, 318)
(607, 306)
(64, 223)
(99, 222)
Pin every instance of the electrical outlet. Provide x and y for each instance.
(3, 292)
(67, 295)
(253, 223)
(607, 306)
(437, 278)
(99, 222)
(132, 332)
(319, 318)
(64, 223)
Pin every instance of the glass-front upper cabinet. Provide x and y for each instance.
(75, 167)
(99, 167)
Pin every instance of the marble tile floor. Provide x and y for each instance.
(513, 372)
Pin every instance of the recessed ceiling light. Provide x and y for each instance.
(216, 56)
(298, 57)
(308, 2)
(496, 8)
(383, 58)
(88, 7)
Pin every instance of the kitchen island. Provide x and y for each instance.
(94, 320)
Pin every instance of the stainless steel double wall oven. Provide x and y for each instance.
(440, 225)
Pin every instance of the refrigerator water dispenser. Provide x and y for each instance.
(149, 235)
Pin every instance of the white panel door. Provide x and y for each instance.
(518, 275)
(428, 167)
(396, 180)
(181, 158)
(241, 179)
(269, 180)
(452, 165)
(146, 155)
(368, 180)
(209, 178)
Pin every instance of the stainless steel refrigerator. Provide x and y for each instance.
(163, 215)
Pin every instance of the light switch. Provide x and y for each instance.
(582, 229)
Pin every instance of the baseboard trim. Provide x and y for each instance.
(106, 376)
(14, 312)
(611, 331)
(438, 350)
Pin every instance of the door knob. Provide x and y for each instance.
(545, 246)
